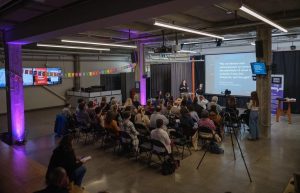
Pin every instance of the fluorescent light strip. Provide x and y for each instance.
(187, 51)
(72, 47)
(171, 26)
(264, 19)
(99, 43)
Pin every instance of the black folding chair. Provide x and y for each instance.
(113, 138)
(142, 129)
(179, 140)
(158, 149)
(125, 141)
(206, 136)
(145, 146)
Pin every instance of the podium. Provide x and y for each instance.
(281, 112)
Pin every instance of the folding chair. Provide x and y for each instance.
(179, 140)
(206, 136)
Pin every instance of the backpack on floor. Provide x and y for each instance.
(169, 166)
(213, 147)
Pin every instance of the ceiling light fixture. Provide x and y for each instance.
(186, 51)
(262, 18)
(72, 47)
(99, 43)
(185, 29)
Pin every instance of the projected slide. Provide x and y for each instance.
(229, 71)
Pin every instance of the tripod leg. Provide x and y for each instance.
(243, 157)
(202, 159)
(232, 144)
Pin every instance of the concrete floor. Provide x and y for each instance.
(271, 163)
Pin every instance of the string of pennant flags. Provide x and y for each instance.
(40, 72)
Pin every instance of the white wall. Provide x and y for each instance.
(36, 97)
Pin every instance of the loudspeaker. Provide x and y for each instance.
(134, 58)
(259, 49)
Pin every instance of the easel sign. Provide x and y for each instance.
(277, 89)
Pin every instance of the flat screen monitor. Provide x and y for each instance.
(27, 77)
(40, 76)
(2, 78)
(54, 76)
(258, 68)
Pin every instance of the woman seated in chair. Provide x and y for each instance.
(82, 116)
(161, 135)
(217, 119)
(129, 128)
(142, 118)
(99, 118)
(189, 126)
(111, 124)
(206, 122)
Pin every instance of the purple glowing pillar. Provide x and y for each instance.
(142, 79)
(15, 92)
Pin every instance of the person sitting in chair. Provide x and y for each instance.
(129, 128)
(161, 135)
(206, 122)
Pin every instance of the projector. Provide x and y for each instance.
(163, 49)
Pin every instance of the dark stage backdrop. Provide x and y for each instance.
(199, 72)
(288, 64)
(179, 72)
(160, 78)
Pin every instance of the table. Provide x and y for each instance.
(281, 112)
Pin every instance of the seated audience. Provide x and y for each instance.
(99, 117)
(202, 101)
(66, 111)
(111, 123)
(161, 135)
(231, 107)
(217, 119)
(206, 122)
(197, 107)
(82, 116)
(64, 156)
(111, 101)
(164, 109)
(157, 115)
(129, 128)
(193, 113)
(214, 101)
(91, 110)
(142, 118)
(79, 101)
(57, 182)
(175, 109)
(136, 102)
(103, 104)
(116, 112)
(189, 128)
(149, 109)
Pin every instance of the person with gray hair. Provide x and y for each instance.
(214, 101)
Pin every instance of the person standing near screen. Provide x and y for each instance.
(253, 105)
(183, 88)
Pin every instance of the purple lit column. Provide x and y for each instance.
(142, 79)
(14, 92)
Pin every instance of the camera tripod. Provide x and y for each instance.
(231, 127)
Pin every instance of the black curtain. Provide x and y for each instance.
(199, 71)
(180, 72)
(288, 64)
(160, 78)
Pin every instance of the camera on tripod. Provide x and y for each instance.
(226, 92)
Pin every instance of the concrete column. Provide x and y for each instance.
(263, 83)
(140, 71)
(77, 69)
(14, 93)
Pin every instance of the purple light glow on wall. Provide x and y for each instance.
(142, 80)
(16, 92)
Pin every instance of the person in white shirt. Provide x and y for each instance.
(161, 135)
(157, 115)
(202, 101)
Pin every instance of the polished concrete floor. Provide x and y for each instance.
(271, 163)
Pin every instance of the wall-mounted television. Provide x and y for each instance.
(36, 76)
(258, 68)
(54, 76)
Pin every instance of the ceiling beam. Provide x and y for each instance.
(91, 15)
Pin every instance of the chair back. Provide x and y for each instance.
(158, 147)
(125, 138)
(205, 133)
(142, 129)
(176, 135)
